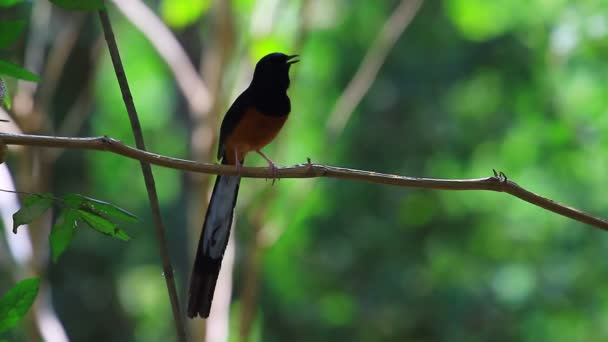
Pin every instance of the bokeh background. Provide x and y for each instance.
(465, 87)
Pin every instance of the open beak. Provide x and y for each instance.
(290, 59)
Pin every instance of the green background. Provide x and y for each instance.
(471, 85)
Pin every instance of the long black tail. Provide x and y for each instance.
(212, 245)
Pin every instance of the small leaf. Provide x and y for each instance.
(63, 232)
(13, 70)
(10, 30)
(9, 3)
(16, 302)
(33, 206)
(85, 5)
(98, 207)
(73, 200)
(103, 225)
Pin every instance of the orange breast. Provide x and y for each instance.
(254, 131)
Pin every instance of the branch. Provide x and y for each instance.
(498, 183)
(148, 176)
(373, 60)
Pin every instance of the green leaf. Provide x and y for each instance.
(103, 225)
(33, 206)
(10, 30)
(63, 232)
(84, 5)
(97, 207)
(182, 13)
(9, 3)
(13, 70)
(16, 302)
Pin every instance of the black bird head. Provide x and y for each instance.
(272, 72)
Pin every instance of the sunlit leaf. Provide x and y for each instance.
(13, 70)
(10, 30)
(33, 206)
(16, 302)
(98, 207)
(63, 232)
(184, 12)
(84, 5)
(480, 20)
(103, 225)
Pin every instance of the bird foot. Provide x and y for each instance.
(239, 167)
(272, 167)
(274, 171)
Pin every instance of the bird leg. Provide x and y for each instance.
(274, 170)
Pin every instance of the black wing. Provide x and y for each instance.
(232, 118)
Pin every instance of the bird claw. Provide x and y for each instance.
(239, 167)
(274, 172)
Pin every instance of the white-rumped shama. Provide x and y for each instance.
(253, 120)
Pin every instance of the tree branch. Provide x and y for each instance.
(148, 176)
(498, 183)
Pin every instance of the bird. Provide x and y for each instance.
(253, 120)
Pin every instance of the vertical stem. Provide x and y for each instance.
(147, 172)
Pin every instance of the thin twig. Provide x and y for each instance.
(495, 183)
(147, 172)
(373, 60)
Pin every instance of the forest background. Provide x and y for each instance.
(449, 89)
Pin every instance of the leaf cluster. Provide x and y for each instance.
(75, 210)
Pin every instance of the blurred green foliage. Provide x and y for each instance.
(16, 302)
(180, 14)
(80, 5)
(471, 86)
